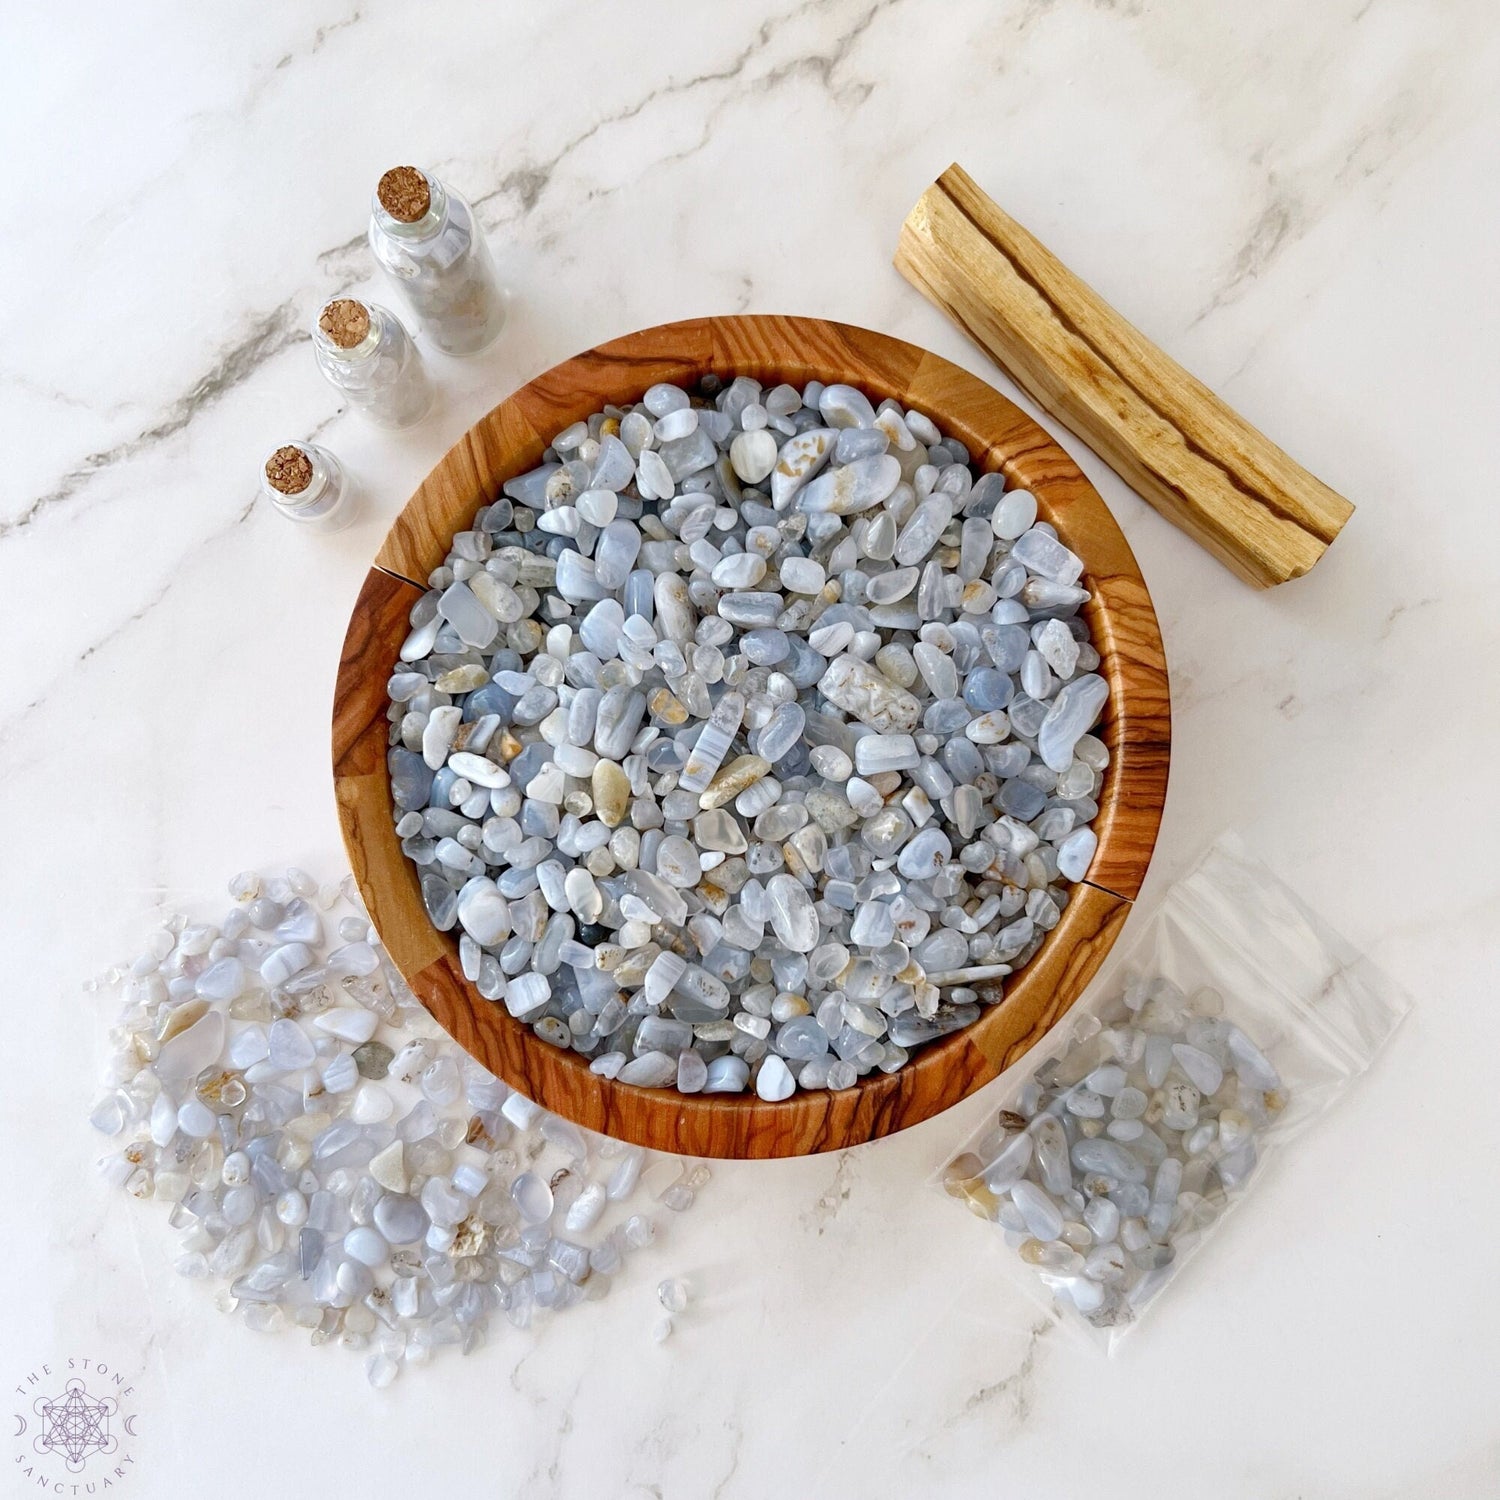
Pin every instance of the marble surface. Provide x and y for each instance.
(1295, 200)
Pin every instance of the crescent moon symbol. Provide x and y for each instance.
(20, 1423)
(128, 1428)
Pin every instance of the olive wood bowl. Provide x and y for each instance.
(1136, 727)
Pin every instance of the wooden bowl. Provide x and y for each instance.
(1136, 728)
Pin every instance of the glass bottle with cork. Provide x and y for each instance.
(368, 356)
(308, 485)
(427, 240)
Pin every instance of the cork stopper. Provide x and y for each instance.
(404, 194)
(289, 470)
(346, 322)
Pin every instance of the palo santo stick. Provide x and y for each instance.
(1187, 453)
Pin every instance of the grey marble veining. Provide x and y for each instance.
(1294, 200)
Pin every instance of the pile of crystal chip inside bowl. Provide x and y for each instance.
(335, 1160)
(744, 740)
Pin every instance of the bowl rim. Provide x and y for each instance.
(1137, 728)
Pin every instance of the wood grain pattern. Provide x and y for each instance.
(1136, 725)
(1188, 454)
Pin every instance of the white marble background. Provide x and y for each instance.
(1296, 200)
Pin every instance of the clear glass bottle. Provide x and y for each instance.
(308, 485)
(426, 239)
(368, 356)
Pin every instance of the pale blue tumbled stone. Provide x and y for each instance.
(687, 455)
(615, 553)
(1036, 675)
(441, 901)
(946, 715)
(765, 647)
(1022, 800)
(483, 912)
(925, 854)
(987, 688)
(400, 1219)
(1057, 646)
(619, 716)
(692, 1072)
(614, 467)
(854, 487)
(651, 1070)
(1072, 714)
(859, 442)
(1076, 853)
(1103, 1219)
(639, 584)
(576, 578)
(530, 489)
(1052, 1153)
(340, 1074)
(918, 537)
(756, 610)
(281, 963)
(1005, 644)
(411, 779)
(792, 914)
(1202, 1069)
(1252, 1065)
(475, 625)
(844, 406)
(289, 1046)
(774, 1081)
(802, 1038)
(1044, 1220)
(662, 398)
(781, 732)
(1011, 1161)
(1015, 514)
(874, 753)
(1041, 594)
(300, 923)
(740, 570)
(601, 628)
(223, 980)
(727, 1075)
(1109, 1158)
(873, 925)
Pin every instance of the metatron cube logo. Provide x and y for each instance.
(76, 1422)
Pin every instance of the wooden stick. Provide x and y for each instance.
(1188, 454)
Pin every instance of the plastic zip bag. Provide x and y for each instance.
(1228, 1021)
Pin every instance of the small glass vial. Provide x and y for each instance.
(308, 485)
(369, 358)
(425, 238)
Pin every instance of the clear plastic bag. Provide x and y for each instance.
(1230, 975)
